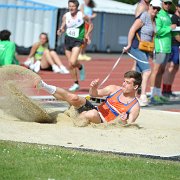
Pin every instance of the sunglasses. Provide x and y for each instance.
(156, 8)
(167, 3)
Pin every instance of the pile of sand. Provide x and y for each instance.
(14, 79)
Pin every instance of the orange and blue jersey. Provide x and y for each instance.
(113, 107)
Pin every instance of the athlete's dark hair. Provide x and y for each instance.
(91, 4)
(75, 2)
(136, 76)
(5, 35)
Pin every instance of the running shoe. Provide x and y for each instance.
(63, 70)
(143, 102)
(28, 62)
(170, 95)
(55, 68)
(82, 73)
(164, 99)
(74, 87)
(156, 100)
(86, 57)
(37, 66)
(80, 57)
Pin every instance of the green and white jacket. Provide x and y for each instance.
(163, 37)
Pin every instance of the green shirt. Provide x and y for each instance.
(7, 53)
(39, 52)
(163, 35)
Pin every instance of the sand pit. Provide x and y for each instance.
(157, 134)
(14, 80)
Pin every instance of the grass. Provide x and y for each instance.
(33, 161)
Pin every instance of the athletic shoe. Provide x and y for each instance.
(29, 61)
(63, 70)
(55, 68)
(37, 66)
(143, 102)
(74, 87)
(164, 99)
(86, 57)
(171, 96)
(31, 66)
(82, 73)
(80, 57)
(156, 100)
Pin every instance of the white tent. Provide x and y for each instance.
(108, 6)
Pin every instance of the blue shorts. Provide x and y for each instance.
(174, 55)
(143, 64)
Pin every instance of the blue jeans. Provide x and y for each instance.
(143, 57)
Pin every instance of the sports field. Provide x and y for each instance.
(156, 135)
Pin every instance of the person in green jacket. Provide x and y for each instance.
(162, 51)
(7, 49)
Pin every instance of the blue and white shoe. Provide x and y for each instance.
(82, 73)
(74, 87)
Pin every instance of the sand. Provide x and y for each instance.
(157, 133)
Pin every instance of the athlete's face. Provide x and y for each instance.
(128, 85)
(72, 8)
(43, 39)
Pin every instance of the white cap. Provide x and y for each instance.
(156, 3)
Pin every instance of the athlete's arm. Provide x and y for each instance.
(134, 113)
(95, 92)
(61, 30)
(137, 25)
(33, 50)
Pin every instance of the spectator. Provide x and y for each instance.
(7, 49)
(173, 64)
(144, 26)
(44, 58)
(142, 6)
(163, 40)
(87, 10)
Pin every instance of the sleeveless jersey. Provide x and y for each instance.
(113, 107)
(75, 27)
(88, 11)
(39, 52)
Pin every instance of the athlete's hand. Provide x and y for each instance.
(94, 83)
(59, 32)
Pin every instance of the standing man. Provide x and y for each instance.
(73, 26)
(7, 49)
(173, 64)
(163, 40)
